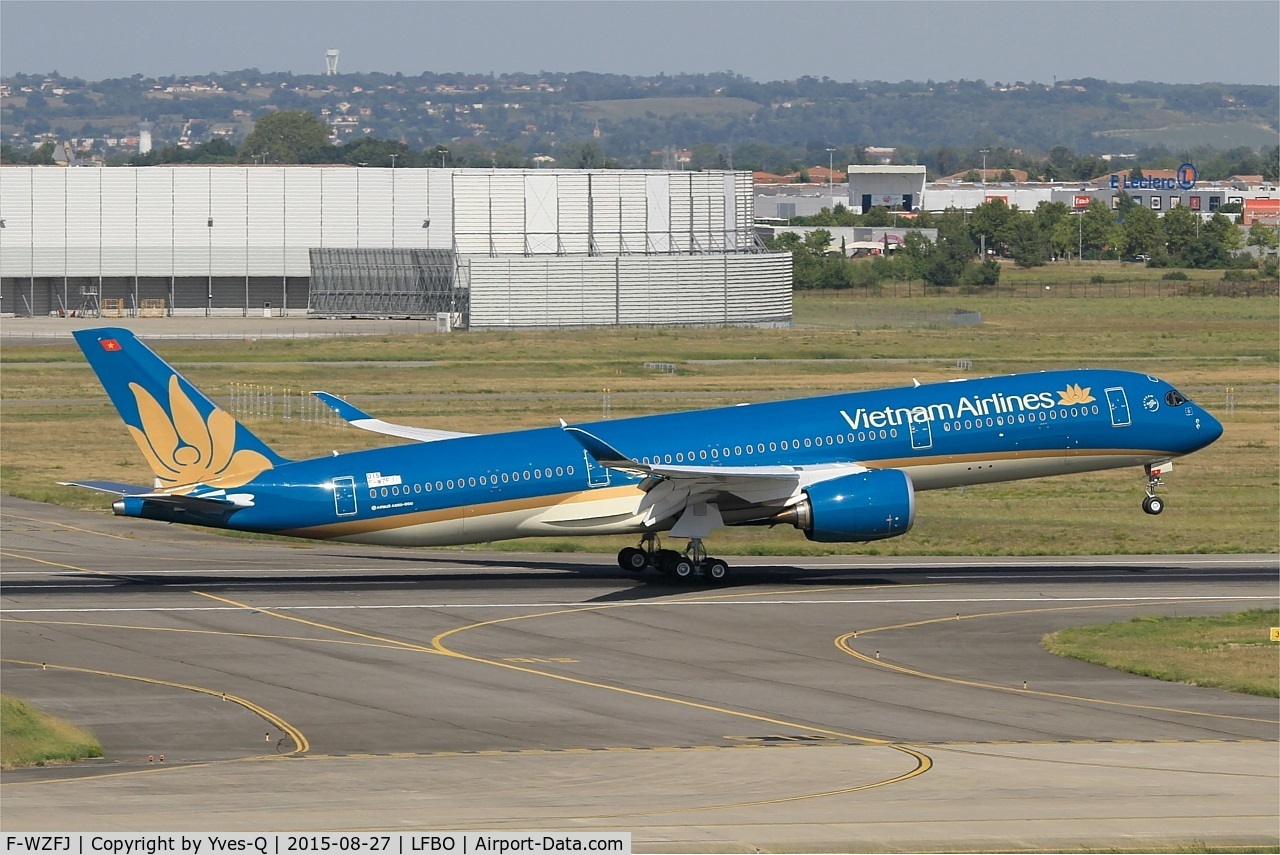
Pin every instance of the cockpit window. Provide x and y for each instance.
(1174, 398)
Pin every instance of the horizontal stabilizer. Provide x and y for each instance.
(357, 417)
(114, 487)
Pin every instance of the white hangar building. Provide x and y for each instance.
(496, 249)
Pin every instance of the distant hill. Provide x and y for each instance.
(778, 126)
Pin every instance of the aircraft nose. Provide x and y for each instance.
(1209, 429)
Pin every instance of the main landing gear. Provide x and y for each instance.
(691, 565)
(1153, 504)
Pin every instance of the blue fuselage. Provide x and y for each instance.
(543, 482)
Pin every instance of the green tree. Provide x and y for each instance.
(1099, 227)
(1218, 239)
(1141, 232)
(817, 242)
(952, 254)
(1180, 227)
(984, 275)
(287, 136)
(991, 219)
(1264, 236)
(1028, 244)
(878, 217)
(42, 156)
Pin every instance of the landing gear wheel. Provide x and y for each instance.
(633, 560)
(665, 560)
(717, 571)
(1153, 505)
(682, 568)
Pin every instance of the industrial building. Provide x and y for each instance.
(490, 249)
(905, 188)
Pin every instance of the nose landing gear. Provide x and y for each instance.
(691, 565)
(1153, 504)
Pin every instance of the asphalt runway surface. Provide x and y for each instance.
(837, 704)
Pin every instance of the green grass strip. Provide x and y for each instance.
(31, 737)
(1232, 652)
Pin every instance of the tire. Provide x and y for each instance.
(717, 571)
(633, 560)
(682, 568)
(666, 559)
(1153, 505)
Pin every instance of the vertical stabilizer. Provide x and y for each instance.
(187, 439)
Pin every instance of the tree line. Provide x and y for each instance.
(1052, 231)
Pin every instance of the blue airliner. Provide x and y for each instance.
(842, 468)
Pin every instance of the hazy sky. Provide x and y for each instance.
(1122, 40)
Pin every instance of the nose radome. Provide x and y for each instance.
(1210, 428)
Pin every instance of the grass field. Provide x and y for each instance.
(32, 737)
(1232, 652)
(57, 424)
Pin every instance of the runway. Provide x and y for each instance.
(833, 704)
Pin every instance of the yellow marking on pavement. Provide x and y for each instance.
(922, 761)
(301, 745)
(58, 564)
(1161, 769)
(405, 645)
(67, 525)
(842, 643)
(385, 646)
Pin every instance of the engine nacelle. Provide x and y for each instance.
(867, 506)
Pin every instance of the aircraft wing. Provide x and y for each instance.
(357, 417)
(698, 493)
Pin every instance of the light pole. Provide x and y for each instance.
(208, 305)
(443, 152)
(984, 164)
(831, 190)
(393, 160)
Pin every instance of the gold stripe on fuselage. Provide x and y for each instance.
(459, 512)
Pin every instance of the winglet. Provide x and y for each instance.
(601, 451)
(348, 412)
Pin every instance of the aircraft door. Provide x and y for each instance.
(1119, 405)
(597, 475)
(344, 496)
(921, 434)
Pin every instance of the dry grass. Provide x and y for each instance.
(32, 737)
(1232, 652)
(57, 424)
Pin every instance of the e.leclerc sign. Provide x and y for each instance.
(1185, 180)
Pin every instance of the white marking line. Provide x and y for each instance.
(1137, 601)
(1170, 563)
(63, 570)
(1086, 577)
(245, 583)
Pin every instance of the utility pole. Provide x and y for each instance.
(831, 192)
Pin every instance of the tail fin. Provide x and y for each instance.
(186, 438)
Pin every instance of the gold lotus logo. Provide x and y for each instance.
(184, 449)
(1074, 394)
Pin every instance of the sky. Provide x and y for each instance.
(1229, 41)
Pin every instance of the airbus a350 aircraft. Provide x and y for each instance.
(842, 468)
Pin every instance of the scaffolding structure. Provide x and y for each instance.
(387, 283)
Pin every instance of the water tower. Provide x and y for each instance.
(144, 136)
(331, 62)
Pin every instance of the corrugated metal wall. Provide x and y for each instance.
(546, 247)
(630, 290)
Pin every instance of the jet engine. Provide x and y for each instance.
(868, 506)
